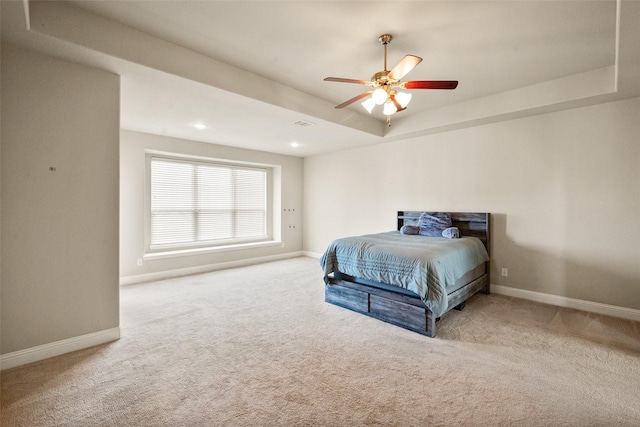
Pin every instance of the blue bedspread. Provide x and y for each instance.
(423, 265)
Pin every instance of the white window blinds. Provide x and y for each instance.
(199, 203)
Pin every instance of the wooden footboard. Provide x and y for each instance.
(398, 309)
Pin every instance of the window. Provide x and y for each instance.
(199, 203)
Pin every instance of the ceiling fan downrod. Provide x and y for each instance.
(385, 39)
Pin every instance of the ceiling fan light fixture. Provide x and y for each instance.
(368, 104)
(384, 84)
(403, 99)
(389, 108)
(379, 96)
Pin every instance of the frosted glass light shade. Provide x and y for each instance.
(368, 104)
(379, 96)
(403, 99)
(389, 108)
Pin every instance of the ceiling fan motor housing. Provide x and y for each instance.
(381, 78)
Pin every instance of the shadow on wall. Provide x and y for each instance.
(561, 273)
(498, 244)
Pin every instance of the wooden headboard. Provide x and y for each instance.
(475, 224)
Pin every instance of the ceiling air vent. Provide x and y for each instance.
(303, 123)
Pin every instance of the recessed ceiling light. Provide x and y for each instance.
(295, 144)
(200, 126)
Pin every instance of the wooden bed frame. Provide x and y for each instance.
(408, 311)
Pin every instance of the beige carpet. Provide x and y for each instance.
(259, 347)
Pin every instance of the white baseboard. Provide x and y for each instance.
(312, 254)
(45, 351)
(169, 274)
(592, 307)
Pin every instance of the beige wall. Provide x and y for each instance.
(132, 154)
(563, 188)
(59, 244)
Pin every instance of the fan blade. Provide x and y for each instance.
(430, 84)
(405, 65)
(397, 104)
(341, 80)
(354, 99)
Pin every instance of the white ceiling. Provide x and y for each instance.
(249, 70)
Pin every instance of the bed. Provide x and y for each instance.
(410, 280)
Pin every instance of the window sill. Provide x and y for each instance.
(209, 250)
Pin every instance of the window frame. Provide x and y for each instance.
(187, 248)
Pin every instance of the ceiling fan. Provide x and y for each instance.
(385, 84)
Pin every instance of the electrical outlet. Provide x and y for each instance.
(505, 272)
(139, 262)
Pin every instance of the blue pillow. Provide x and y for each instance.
(410, 229)
(451, 233)
(433, 224)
